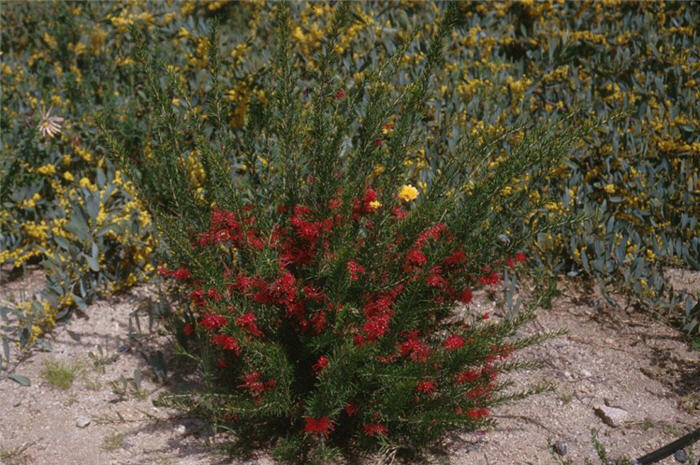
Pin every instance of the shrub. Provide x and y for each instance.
(321, 284)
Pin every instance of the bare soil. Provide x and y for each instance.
(612, 356)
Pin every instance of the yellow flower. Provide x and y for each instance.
(609, 188)
(46, 170)
(408, 193)
(68, 176)
(375, 204)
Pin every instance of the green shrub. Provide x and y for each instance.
(321, 284)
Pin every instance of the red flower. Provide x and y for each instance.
(351, 409)
(213, 322)
(490, 279)
(456, 258)
(374, 328)
(415, 259)
(520, 257)
(378, 304)
(252, 382)
(373, 429)
(254, 241)
(321, 426)
(399, 213)
(188, 329)
(214, 295)
(478, 392)
(243, 283)
(319, 322)
(221, 363)
(180, 274)
(248, 322)
(314, 293)
(320, 365)
(355, 270)
(485, 316)
(364, 207)
(478, 413)
(414, 348)
(386, 359)
(226, 342)
(466, 296)
(426, 387)
(334, 204)
(434, 279)
(453, 342)
(433, 232)
(467, 377)
(197, 297)
(340, 94)
(282, 289)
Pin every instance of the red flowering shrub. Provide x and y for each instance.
(313, 327)
(322, 287)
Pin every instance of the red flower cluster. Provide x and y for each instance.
(519, 257)
(355, 270)
(226, 342)
(414, 348)
(180, 274)
(248, 322)
(375, 429)
(453, 342)
(320, 365)
(255, 386)
(213, 322)
(426, 387)
(351, 409)
(468, 376)
(321, 426)
(478, 413)
(363, 207)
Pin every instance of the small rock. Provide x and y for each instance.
(585, 373)
(612, 416)
(681, 456)
(180, 429)
(82, 422)
(560, 447)
(126, 444)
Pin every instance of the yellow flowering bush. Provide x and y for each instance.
(507, 64)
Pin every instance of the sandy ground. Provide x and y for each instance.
(610, 356)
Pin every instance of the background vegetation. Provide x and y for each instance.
(636, 185)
